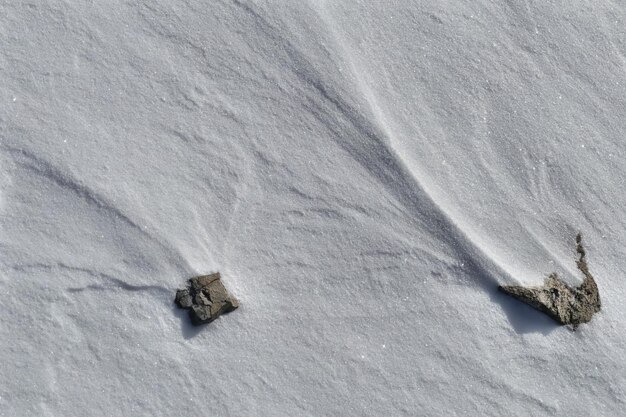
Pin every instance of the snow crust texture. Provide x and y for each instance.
(363, 174)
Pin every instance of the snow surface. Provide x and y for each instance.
(363, 174)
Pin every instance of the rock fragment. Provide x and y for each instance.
(206, 298)
(563, 303)
(183, 299)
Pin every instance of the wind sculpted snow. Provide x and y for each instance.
(363, 175)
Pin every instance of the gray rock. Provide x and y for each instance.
(206, 298)
(183, 299)
(563, 303)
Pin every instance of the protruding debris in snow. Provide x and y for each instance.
(563, 303)
(206, 298)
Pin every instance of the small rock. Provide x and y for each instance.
(563, 303)
(206, 298)
(183, 299)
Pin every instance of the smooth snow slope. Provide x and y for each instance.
(363, 174)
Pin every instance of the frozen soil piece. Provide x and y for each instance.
(563, 303)
(206, 298)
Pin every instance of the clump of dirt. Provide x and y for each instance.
(563, 303)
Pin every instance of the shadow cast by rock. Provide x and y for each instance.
(188, 329)
(523, 318)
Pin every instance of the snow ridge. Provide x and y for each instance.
(377, 152)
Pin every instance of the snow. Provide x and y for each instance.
(363, 175)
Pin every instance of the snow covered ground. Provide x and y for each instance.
(363, 174)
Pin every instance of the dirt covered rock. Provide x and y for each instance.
(206, 298)
(563, 303)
